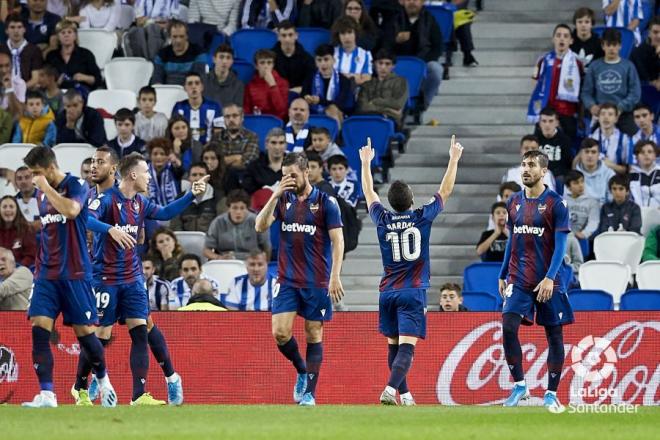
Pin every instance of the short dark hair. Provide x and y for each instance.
(337, 159)
(298, 159)
(72, 94)
(529, 137)
(35, 94)
(313, 156)
(224, 48)
(87, 161)
(114, 157)
(285, 24)
(453, 287)
(561, 26)
(319, 130)
(15, 18)
(50, 70)
(584, 12)
(619, 179)
(22, 168)
(611, 36)
(262, 54)
(238, 196)
(610, 105)
(257, 252)
(127, 163)
(549, 111)
(159, 142)
(176, 23)
(588, 143)
(642, 106)
(191, 73)
(147, 90)
(496, 205)
(400, 196)
(573, 176)
(324, 50)
(41, 157)
(655, 21)
(186, 257)
(385, 54)
(537, 155)
(513, 186)
(642, 143)
(199, 165)
(124, 114)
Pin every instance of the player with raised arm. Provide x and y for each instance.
(62, 275)
(309, 264)
(530, 278)
(404, 237)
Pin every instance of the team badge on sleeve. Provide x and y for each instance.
(95, 204)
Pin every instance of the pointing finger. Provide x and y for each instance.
(453, 140)
(369, 142)
(205, 179)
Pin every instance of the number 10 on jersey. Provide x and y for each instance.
(407, 243)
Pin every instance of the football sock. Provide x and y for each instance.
(392, 350)
(512, 349)
(555, 337)
(161, 353)
(314, 360)
(85, 367)
(139, 359)
(94, 352)
(291, 352)
(401, 365)
(42, 357)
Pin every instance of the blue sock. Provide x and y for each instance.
(291, 352)
(392, 350)
(555, 337)
(159, 349)
(42, 358)
(85, 367)
(511, 343)
(401, 364)
(314, 360)
(139, 359)
(94, 353)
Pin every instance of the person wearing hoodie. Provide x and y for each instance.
(221, 84)
(596, 173)
(201, 212)
(583, 210)
(621, 214)
(37, 125)
(267, 92)
(555, 143)
(292, 62)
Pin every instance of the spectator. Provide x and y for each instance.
(266, 14)
(292, 62)
(203, 299)
(463, 33)
(386, 93)
(267, 92)
(586, 44)
(492, 242)
(558, 76)
(27, 57)
(238, 145)
(266, 170)
(451, 298)
(185, 148)
(612, 79)
(318, 13)
(645, 56)
(27, 196)
(40, 25)
(527, 143)
(220, 13)
(316, 166)
(48, 76)
(76, 65)
(201, 212)
(624, 13)
(200, 112)
(16, 233)
(15, 283)
(352, 61)
(613, 143)
(79, 123)
(648, 131)
(159, 290)
(645, 176)
(86, 171)
(621, 214)
(36, 125)
(12, 93)
(368, 33)
(222, 84)
(573, 258)
(345, 186)
(232, 234)
(583, 209)
(174, 61)
(596, 173)
(219, 178)
(297, 129)
(507, 189)
(100, 14)
(149, 123)
(554, 143)
(254, 290)
(165, 172)
(165, 252)
(322, 144)
(190, 272)
(326, 91)
(149, 33)
(126, 141)
(652, 245)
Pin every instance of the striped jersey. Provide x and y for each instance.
(181, 291)
(305, 251)
(533, 223)
(243, 295)
(627, 11)
(200, 119)
(63, 251)
(356, 62)
(404, 244)
(159, 292)
(616, 147)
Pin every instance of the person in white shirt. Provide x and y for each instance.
(614, 144)
(645, 176)
(158, 289)
(190, 269)
(528, 142)
(351, 60)
(100, 14)
(220, 13)
(254, 290)
(12, 87)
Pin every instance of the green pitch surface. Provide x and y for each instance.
(322, 422)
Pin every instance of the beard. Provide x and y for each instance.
(300, 189)
(531, 181)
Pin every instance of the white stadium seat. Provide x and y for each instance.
(610, 276)
(166, 96)
(110, 128)
(70, 156)
(650, 219)
(192, 242)
(101, 43)
(648, 275)
(11, 155)
(128, 74)
(112, 100)
(224, 271)
(622, 246)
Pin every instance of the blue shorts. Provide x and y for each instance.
(310, 303)
(73, 298)
(402, 313)
(556, 311)
(121, 302)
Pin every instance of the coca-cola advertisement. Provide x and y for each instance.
(230, 357)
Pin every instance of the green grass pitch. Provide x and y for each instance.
(274, 422)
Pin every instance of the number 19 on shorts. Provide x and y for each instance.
(407, 243)
(102, 300)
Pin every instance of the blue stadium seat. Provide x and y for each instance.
(637, 299)
(244, 70)
(480, 302)
(482, 277)
(311, 38)
(585, 300)
(246, 42)
(413, 69)
(325, 121)
(355, 131)
(201, 34)
(444, 16)
(218, 39)
(261, 125)
(627, 39)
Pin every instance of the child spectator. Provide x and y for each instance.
(624, 13)
(216, 168)
(492, 242)
(186, 149)
(37, 125)
(645, 176)
(648, 131)
(201, 113)
(613, 143)
(596, 173)
(48, 76)
(451, 298)
(645, 56)
(149, 123)
(555, 144)
(352, 61)
(586, 44)
(267, 92)
(165, 171)
(221, 84)
(507, 189)
(322, 144)
(345, 186)
(126, 142)
(583, 210)
(621, 214)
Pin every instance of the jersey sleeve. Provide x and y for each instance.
(377, 212)
(77, 189)
(332, 214)
(433, 207)
(279, 209)
(150, 207)
(560, 214)
(97, 207)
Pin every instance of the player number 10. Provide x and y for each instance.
(409, 244)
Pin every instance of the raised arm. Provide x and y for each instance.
(266, 216)
(447, 185)
(366, 156)
(69, 208)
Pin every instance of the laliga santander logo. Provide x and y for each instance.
(8, 373)
(587, 354)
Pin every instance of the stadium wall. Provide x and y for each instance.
(231, 358)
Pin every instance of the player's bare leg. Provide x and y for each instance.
(400, 356)
(160, 351)
(282, 330)
(314, 358)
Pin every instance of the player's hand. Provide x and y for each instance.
(199, 187)
(455, 149)
(40, 182)
(367, 153)
(287, 183)
(335, 289)
(544, 289)
(502, 287)
(123, 239)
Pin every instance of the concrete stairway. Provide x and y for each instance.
(485, 107)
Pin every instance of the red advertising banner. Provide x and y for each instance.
(230, 357)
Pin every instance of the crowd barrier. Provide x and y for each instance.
(230, 357)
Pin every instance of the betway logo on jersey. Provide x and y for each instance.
(526, 229)
(52, 218)
(297, 227)
(129, 229)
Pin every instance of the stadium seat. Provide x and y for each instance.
(648, 275)
(650, 219)
(325, 121)
(246, 42)
(218, 39)
(413, 69)
(355, 131)
(622, 246)
(627, 39)
(261, 125)
(101, 43)
(111, 100)
(587, 300)
(11, 155)
(166, 96)
(128, 74)
(482, 277)
(636, 299)
(192, 242)
(480, 302)
(224, 271)
(110, 128)
(444, 16)
(70, 156)
(609, 276)
(311, 38)
(201, 34)
(244, 70)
